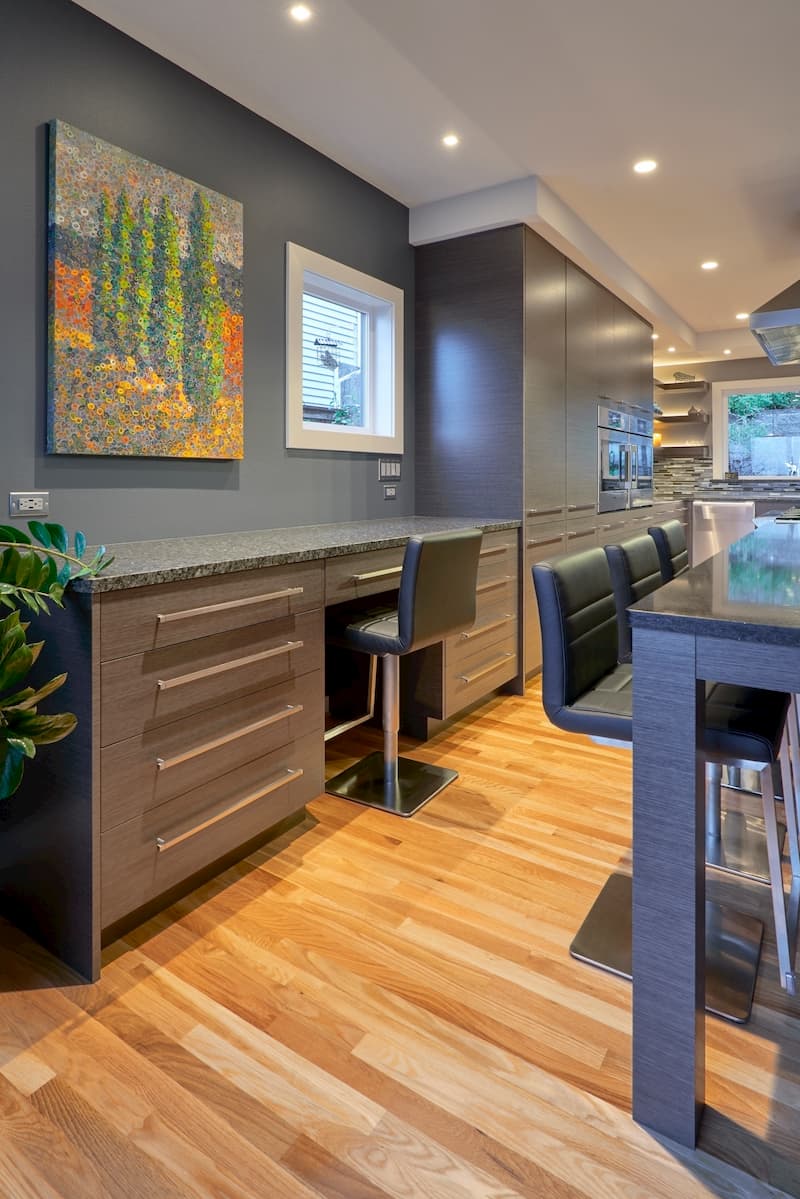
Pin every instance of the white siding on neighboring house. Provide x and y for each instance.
(332, 331)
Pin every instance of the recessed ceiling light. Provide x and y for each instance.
(742, 316)
(710, 265)
(645, 166)
(726, 351)
(450, 139)
(654, 337)
(300, 12)
(670, 349)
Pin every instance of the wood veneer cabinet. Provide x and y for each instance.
(515, 348)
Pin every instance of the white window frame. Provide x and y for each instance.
(382, 431)
(719, 417)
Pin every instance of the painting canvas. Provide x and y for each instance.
(146, 308)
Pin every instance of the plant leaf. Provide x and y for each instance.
(44, 730)
(15, 667)
(12, 767)
(29, 698)
(80, 544)
(10, 533)
(23, 745)
(40, 532)
(58, 536)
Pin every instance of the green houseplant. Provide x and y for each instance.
(35, 569)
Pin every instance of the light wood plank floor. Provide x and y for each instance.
(377, 1007)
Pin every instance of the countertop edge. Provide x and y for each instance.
(150, 577)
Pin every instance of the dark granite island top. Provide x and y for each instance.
(733, 619)
(144, 563)
(749, 591)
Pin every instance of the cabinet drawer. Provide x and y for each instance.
(581, 537)
(544, 515)
(151, 617)
(498, 555)
(496, 595)
(544, 541)
(356, 575)
(161, 848)
(474, 675)
(476, 644)
(157, 764)
(149, 689)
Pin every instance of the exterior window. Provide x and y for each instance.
(344, 349)
(757, 428)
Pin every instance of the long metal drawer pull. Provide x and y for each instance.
(472, 678)
(487, 628)
(580, 533)
(580, 507)
(163, 845)
(494, 549)
(544, 511)
(534, 541)
(492, 584)
(208, 746)
(377, 574)
(196, 675)
(227, 605)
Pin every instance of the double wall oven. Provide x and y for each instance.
(624, 458)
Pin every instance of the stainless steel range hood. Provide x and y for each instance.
(776, 325)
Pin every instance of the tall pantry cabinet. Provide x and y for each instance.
(515, 348)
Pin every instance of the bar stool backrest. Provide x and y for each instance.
(635, 572)
(673, 554)
(579, 627)
(437, 587)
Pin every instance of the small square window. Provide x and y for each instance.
(344, 357)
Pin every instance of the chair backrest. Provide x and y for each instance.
(670, 542)
(437, 587)
(578, 619)
(635, 572)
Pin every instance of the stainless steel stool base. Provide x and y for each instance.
(414, 785)
(733, 948)
(742, 847)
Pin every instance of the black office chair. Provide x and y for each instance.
(436, 599)
(673, 554)
(585, 689)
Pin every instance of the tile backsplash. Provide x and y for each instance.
(676, 477)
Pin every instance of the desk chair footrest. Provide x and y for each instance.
(414, 785)
(733, 948)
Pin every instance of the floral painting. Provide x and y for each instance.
(145, 304)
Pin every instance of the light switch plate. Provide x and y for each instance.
(388, 470)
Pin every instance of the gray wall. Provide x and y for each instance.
(56, 60)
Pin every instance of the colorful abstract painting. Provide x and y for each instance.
(146, 330)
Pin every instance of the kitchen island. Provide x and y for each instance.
(733, 619)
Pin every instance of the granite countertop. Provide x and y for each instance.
(143, 563)
(749, 591)
(746, 493)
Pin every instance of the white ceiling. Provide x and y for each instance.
(572, 92)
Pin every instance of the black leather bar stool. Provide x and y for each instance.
(585, 689)
(735, 841)
(436, 599)
(673, 554)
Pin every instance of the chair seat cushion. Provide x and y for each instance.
(605, 709)
(374, 632)
(743, 724)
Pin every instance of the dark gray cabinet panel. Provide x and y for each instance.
(545, 330)
(583, 299)
(469, 375)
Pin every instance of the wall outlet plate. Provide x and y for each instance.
(390, 493)
(28, 503)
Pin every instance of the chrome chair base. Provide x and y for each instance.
(733, 948)
(741, 847)
(402, 792)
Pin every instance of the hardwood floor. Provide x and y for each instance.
(382, 1007)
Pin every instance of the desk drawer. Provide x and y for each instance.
(161, 848)
(149, 689)
(498, 556)
(475, 646)
(354, 576)
(152, 617)
(472, 674)
(159, 763)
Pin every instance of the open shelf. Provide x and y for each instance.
(699, 385)
(664, 419)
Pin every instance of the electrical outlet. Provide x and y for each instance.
(390, 493)
(28, 503)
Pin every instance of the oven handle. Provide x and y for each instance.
(634, 459)
(623, 464)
